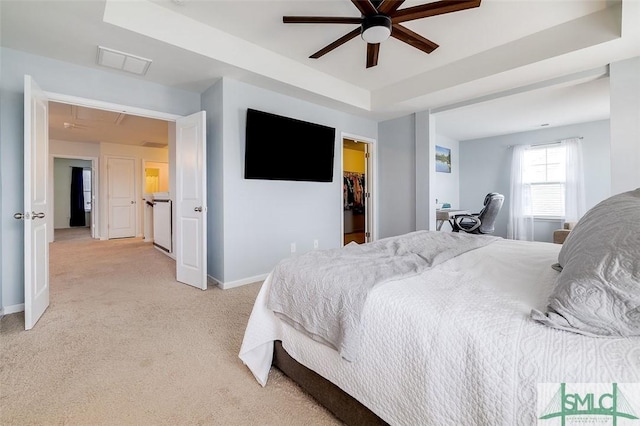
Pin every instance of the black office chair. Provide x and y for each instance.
(483, 222)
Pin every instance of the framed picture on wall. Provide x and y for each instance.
(443, 159)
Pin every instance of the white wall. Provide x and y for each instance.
(163, 171)
(261, 218)
(485, 166)
(64, 78)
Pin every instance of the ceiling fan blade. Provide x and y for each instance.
(372, 54)
(412, 38)
(365, 7)
(320, 20)
(433, 9)
(389, 6)
(345, 38)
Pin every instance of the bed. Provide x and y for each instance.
(456, 341)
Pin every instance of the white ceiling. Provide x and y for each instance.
(82, 124)
(546, 56)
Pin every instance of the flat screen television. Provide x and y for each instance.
(283, 148)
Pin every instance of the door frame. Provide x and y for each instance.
(95, 202)
(147, 223)
(370, 184)
(108, 106)
(126, 109)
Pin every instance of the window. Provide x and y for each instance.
(545, 170)
(86, 189)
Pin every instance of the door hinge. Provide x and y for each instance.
(367, 234)
(366, 155)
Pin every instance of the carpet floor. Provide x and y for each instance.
(123, 343)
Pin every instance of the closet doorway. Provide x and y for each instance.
(357, 200)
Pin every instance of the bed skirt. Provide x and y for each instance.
(342, 405)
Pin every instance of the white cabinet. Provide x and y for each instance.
(162, 230)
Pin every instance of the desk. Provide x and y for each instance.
(444, 215)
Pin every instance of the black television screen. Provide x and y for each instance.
(283, 148)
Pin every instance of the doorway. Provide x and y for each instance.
(188, 142)
(73, 197)
(357, 186)
(78, 129)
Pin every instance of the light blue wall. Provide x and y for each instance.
(212, 104)
(624, 85)
(64, 78)
(485, 166)
(262, 217)
(397, 176)
(447, 184)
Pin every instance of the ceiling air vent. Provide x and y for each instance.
(123, 61)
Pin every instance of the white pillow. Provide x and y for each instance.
(597, 292)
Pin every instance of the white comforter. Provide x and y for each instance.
(454, 345)
(322, 293)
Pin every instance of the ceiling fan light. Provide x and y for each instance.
(376, 29)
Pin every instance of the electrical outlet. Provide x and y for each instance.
(315, 244)
(293, 247)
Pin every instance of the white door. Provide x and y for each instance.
(36, 245)
(122, 197)
(191, 200)
(368, 208)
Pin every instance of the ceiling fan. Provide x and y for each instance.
(381, 19)
(67, 125)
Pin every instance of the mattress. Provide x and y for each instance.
(454, 344)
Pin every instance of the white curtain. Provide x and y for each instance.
(574, 185)
(520, 225)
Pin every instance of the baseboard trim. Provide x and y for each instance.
(12, 309)
(238, 283)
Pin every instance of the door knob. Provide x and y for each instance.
(20, 216)
(133, 202)
(35, 215)
(197, 209)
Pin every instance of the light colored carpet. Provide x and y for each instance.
(76, 233)
(123, 343)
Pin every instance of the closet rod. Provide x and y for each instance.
(550, 142)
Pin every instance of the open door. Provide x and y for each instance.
(356, 191)
(191, 200)
(36, 246)
(368, 205)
